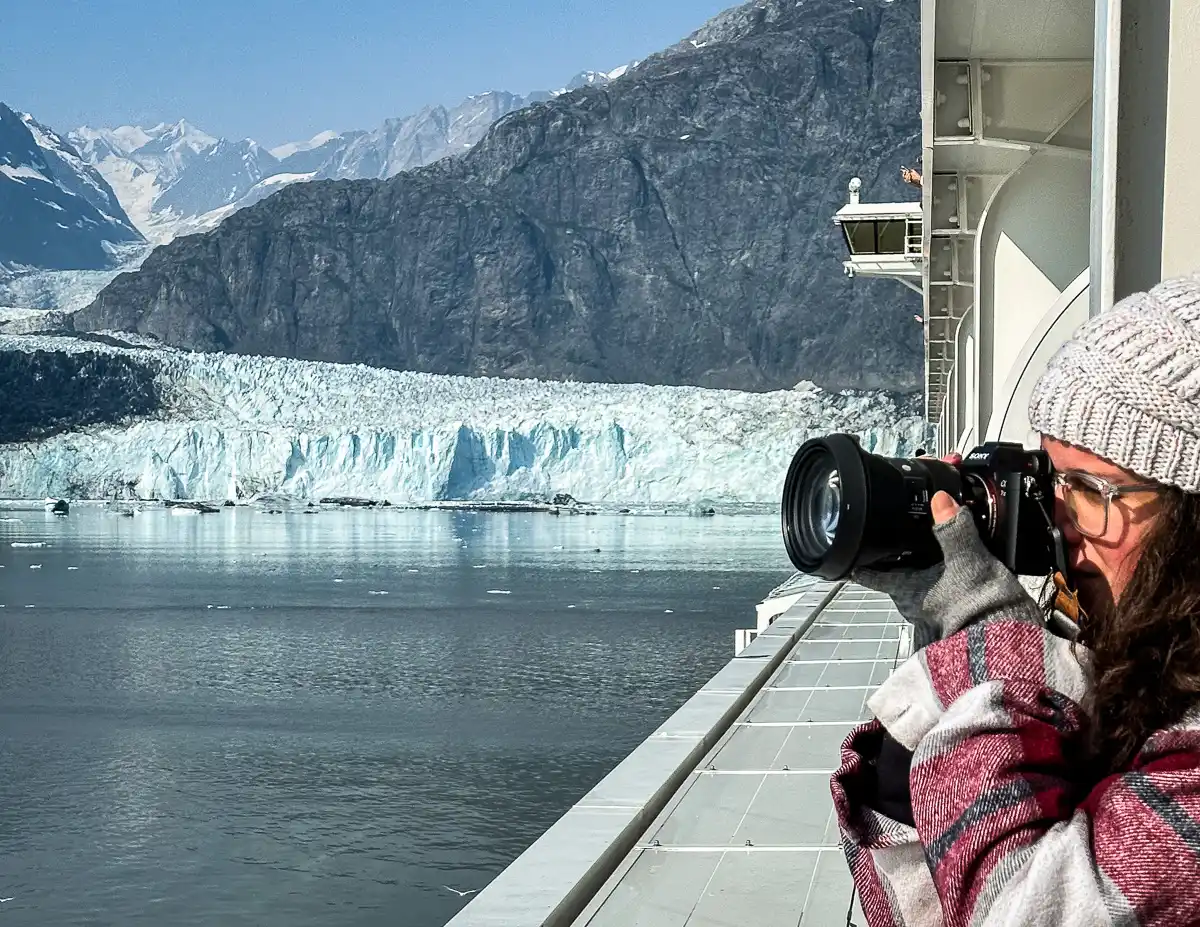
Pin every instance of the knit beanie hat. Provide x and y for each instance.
(1127, 385)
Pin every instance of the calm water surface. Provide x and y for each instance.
(291, 720)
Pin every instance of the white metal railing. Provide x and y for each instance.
(793, 584)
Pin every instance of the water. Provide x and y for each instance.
(200, 724)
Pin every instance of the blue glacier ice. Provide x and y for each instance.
(236, 427)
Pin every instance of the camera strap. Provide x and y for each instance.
(1067, 601)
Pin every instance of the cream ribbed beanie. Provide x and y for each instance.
(1127, 385)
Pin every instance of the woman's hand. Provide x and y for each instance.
(908, 589)
(944, 508)
(969, 585)
(974, 585)
(942, 504)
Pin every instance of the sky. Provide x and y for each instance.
(283, 70)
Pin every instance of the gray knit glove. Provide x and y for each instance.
(970, 585)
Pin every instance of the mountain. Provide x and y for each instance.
(224, 173)
(56, 211)
(320, 140)
(145, 166)
(670, 227)
(176, 180)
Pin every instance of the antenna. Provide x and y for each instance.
(855, 187)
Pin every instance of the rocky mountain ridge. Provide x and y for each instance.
(55, 209)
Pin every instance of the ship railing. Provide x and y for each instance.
(774, 604)
(792, 585)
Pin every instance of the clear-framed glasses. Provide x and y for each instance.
(1088, 499)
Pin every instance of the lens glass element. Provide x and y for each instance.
(822, 508)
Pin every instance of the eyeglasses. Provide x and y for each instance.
(1088, 498)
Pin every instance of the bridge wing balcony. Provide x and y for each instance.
(883, 239)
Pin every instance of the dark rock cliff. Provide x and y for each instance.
(673, 226)
(50, 392)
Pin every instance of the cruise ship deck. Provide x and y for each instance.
(723, 815)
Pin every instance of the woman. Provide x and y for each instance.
(1054, 782)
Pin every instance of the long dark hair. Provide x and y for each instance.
(1147, 649)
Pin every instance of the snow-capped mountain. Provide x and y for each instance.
(176, 179)
(170, 173)
(218, 426)
(433, 133)
(56, 210)
(317, 141)
(222, 174)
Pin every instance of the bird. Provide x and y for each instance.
(460, 894)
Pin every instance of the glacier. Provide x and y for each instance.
(67, 290)
(237, 427)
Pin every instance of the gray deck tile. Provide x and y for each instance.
(835, 674)
(817, 705)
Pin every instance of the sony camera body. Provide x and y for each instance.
(844, 508)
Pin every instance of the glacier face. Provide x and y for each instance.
(233, 427)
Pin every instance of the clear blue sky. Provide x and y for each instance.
(282, 70)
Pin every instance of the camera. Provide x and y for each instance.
(844, 508)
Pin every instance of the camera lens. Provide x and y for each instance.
(844, 508)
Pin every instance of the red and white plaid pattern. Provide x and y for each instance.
(1007, 832)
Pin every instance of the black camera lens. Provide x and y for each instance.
(844, 508)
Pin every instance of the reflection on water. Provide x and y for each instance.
(298, 719)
